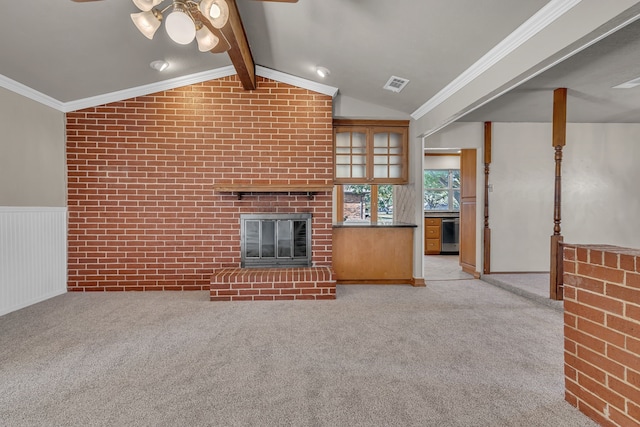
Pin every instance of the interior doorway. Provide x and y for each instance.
(443, 237)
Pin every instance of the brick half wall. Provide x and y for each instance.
(602, 332)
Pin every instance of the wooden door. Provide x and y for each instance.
(468, 211)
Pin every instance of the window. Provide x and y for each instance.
(356, 201)
(442, 190)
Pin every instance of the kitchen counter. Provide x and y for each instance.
(367, 224)
(442, 214)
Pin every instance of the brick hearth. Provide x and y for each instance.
(247, 284)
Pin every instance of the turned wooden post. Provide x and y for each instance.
(559, 141)
(486, 267)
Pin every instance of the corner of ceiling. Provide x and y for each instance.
(204, 76)
(150, 88)
(296, 81)
(32, 94)
(536, 23)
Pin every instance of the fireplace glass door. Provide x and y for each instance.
(276, 240)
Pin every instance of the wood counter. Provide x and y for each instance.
(373, 253)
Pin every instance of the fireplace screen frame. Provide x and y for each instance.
(248, 225)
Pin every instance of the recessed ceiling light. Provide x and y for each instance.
(159, 65)
(322, 72)
(628, 85)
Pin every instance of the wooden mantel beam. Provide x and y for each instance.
(240, 53)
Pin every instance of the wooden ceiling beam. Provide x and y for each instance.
(239, 52)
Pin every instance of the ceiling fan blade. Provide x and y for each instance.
(282, 1)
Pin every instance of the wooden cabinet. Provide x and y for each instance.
(373, 255)
(432, 230)
(468, 212)
(370, 151)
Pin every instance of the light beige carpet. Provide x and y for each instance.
(456, 353)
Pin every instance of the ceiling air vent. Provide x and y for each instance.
(396, 84)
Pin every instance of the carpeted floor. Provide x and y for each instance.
(443, 267)
(456, 353)
(534, 286)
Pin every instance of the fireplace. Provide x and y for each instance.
(276, 260)
(275, 240)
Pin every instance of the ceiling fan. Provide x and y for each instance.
(214, 24)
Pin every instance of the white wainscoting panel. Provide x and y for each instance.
(33, 255)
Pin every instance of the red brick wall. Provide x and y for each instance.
(602, 332)
(143, 214)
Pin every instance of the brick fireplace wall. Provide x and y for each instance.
(602, 332)
(143, 212)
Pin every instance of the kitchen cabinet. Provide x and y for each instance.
(370, 151)
(432, 235)
(377, 253)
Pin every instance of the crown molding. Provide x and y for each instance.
(544, 17)
(32, 94)
(190, 79)
(296, 81)
(525, 79)
(150, 88)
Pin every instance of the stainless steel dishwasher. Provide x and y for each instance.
(450, 235)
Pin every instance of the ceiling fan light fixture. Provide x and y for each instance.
(206, 39)
(180, 26)
(216, 11)
(146, 5)
(147, 22)
(322, 72)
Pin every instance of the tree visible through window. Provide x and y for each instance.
(358, 200)
(442, 190)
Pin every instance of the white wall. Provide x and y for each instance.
(32, 153)
(521, 203)
(33, 255)
(351, 108)
(33, 214)
(407, 200)
(601, 184)
(600, 197)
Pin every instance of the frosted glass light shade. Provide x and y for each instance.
(180, 27)
(216, 11)
(147, 22)
(206, 39)
(146, 5)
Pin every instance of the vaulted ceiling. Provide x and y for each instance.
(65, 51)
